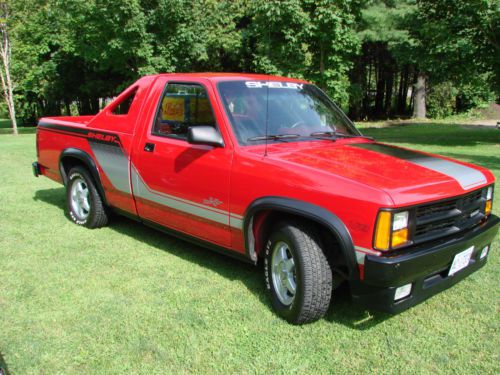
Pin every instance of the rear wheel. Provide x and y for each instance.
(85, 206)
(297, 273)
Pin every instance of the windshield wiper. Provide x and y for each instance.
(274, 137)
(335, 134)
(332, 135)
(342, 135)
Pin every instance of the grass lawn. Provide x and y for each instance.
(127, 299)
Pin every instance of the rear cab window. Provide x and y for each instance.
(123, 107)
(121, 114)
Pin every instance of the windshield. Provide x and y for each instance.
(295, 111)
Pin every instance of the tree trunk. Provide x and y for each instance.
(5, 52)
(419, 110)
(403, 90)
(85, 107)
(357, 77)
(384, 80)
(321, 60)
(410, 73)
(67, 106)
(94, 105)
(396, 89)
(322, 84)
(389, 84)
(379, 96)
(368, 84)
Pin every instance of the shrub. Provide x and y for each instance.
(441, 100)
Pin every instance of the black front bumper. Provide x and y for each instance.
(426, 267)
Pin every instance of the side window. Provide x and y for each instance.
(183, 105)
(124, 106)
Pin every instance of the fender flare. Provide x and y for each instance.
(87, 160)
(307, 210)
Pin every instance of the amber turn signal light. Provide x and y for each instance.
(383, 230)
(487, 208)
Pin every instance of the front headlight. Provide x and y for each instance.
(391, 230)
(400, 220)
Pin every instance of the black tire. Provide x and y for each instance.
(96, 216)
(312, 272)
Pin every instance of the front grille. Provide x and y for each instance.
(441, 219)
(423, 229)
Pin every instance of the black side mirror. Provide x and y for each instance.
(204, 135)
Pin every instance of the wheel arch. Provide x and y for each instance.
(71, 157)
(263, 212)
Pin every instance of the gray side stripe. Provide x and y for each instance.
(360, 257)
(467, 177)
(236, 223)
(367, 251)
(114, 163)
(143, 191)
(361, 253)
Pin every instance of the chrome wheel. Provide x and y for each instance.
(80, 198)
(283, 273)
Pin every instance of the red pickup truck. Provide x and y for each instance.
(263, 167)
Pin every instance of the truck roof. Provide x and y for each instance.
(217, 76)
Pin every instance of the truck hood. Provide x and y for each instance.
(408, 176)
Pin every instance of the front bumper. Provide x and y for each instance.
(425, 267)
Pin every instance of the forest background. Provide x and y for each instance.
(377, 58)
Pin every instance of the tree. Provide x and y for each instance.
(203, 35)
(456, 41)
(383, 70)
(278, 37)
(311, 39)
(366, 53)
(77, 52)
(461, 37)
(6, 54)
(334, 43)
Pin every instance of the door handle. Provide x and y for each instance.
(149, 147)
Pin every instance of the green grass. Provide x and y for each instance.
(128, 299)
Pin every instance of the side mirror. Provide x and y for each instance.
(204, 135)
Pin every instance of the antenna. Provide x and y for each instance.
(267, 86)
(267, 115)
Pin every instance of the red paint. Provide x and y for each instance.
(361, 271)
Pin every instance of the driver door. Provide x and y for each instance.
(176, 184)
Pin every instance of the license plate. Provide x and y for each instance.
(461, 261)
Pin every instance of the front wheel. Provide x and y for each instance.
(297, 273)
(85, 206)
